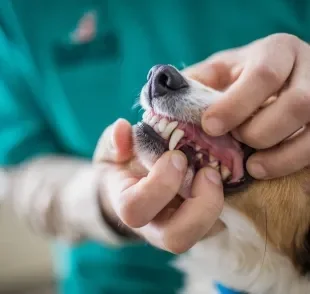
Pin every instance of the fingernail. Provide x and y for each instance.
(178, 161)
(213, 176)
(257, 170)
(214, 126)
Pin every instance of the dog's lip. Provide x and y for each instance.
(229, 188)
(247, 178)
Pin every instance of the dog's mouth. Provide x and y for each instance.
(223, 153)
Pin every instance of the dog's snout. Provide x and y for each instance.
(164, 79)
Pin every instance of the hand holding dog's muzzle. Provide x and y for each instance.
(276, 70)
(148, 203)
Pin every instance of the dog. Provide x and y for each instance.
(265, 245)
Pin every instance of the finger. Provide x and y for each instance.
(276, 122)
(257, 83)
(289, 157)
(140, 203)
(287, 114)
(115, 143)
(196, 216)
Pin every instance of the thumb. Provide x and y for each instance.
(115, 144)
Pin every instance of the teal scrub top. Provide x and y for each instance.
(57, 95)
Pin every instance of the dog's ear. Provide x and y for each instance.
(303, 255)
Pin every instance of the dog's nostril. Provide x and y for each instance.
(165, 79)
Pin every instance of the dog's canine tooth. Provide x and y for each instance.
(154, 120)
(225, 172)
(162, 124)
(176, 136)
(169, 129)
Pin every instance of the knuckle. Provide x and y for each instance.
(213, 208)
(167, 183)
(267, 73)
(300, 105)
(216, 206)
(254, 138)
(168, 189)
(214, 58)
(130, 214)
(285, 38)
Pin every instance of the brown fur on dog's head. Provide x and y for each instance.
(279, 208)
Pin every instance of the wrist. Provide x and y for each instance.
(107, 211)
(80, 212)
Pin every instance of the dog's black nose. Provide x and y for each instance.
(164, 79)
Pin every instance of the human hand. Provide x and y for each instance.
(147, 203)
(275, 68)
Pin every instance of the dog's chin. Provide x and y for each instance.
(149, 146)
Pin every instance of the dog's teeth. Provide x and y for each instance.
(213, 162)
(147, 116)
(154, 120)
(162, 124)
(225, 172)
(212, 158)
(199, 155)
(197, 147)
(176, 136)
(156, 129)
(169, 129)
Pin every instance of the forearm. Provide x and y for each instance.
(60, 197)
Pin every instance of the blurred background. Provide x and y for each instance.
(25, 259)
